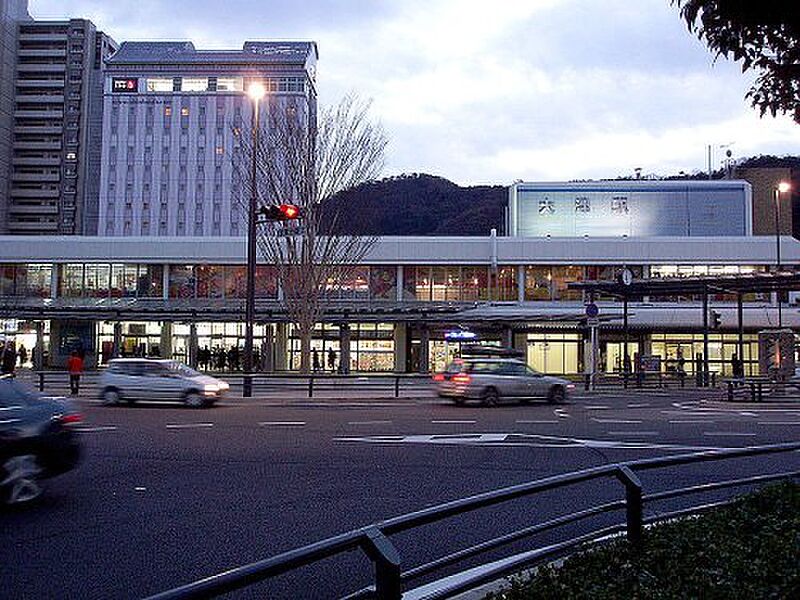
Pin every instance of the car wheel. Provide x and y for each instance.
(490, 397)
(110, 396)
(194, 400)
(556, 394)
(459, 401)
(19, 483)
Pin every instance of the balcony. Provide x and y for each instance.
(38, 129)
(37, 161)
(54, 52)
(50, 226)
(39, 114)
(39, 98)
(49, 145)
(33, 209)
(40, 83)
(40, 68)
(42, 37)
(36, 177)
(35, 194)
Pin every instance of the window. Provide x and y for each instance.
(219, 150)
(230, 84)
(184, 111)
(167, 111)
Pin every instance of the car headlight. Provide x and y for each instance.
(223, 386)
(210, 388)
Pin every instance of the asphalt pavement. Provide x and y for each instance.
(166, 494)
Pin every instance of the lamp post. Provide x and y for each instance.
(256, 92)
(781, 188)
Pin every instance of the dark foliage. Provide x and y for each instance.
(421, 204)
(764, 36)
(750, 549)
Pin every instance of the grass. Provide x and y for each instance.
(749, 549)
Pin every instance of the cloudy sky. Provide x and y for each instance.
(490, 92)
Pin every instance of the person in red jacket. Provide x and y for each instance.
(75, 368)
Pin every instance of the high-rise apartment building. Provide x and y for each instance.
(57, 126)
(12, 12)
(171, 115)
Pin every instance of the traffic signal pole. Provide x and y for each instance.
(247, 386)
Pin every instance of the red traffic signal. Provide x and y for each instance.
(283, 212)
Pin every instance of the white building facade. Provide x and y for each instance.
(172, 115)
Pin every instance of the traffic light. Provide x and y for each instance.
(282, 212)
(716, 319)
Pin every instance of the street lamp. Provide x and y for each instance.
(256, 92)
(781, 188)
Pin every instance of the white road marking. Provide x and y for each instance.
(617, 421)
(632, 432)
(728, 433)
(597, 407)
(139, 489)
(369, 422)
(446, 422)
(642, 405)
(519, 439)
(745, 413)
(189, 425)
(534, 422)
(282, 423)
(778, 423)
(95, 429)
(561, 413)
(692, 422)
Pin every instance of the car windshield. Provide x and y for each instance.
(182, 369)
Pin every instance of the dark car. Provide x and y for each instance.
(36, 440)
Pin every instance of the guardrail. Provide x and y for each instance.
(649, 379)
(374, 540)
(387, 385)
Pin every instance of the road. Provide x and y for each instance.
(167, 495)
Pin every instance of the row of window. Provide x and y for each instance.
(422, 283)
(220, 84)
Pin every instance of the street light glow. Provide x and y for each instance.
(784, 186)
(256, 91)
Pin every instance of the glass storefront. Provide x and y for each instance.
(677, 349)
(555, 353)
(371, 347)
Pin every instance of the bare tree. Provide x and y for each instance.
(303, 160)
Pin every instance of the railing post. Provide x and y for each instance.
(247, 386)
(396, 386)
(382, 552)
(730, 391)
(586, 381)
(41, 381)
(713, 379)
(310, 386)
(633, 504)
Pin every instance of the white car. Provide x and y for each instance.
(133, 379)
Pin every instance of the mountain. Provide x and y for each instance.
(420, 204)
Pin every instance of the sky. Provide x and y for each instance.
(491, 92)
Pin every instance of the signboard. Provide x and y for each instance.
(124, 85)
(650, 363)
(460, 335)
(591, 310)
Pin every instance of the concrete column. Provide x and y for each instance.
(192, 345)
(267, 351)
(520, 342)
(508, 337)
(117, 339)
(165, 282)
(400, 342)
(521, 283)
(424, 350)
(281, 346)
(344, 348)
(38, 349)
(54, 282)
(400, 284)
(165, 345)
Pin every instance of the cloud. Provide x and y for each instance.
(488, 92)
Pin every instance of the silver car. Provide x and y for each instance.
(134, 379)
(493, 380)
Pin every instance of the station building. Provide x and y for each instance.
(409, 307)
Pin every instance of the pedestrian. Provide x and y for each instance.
(8, 359)
(315, 360)
(737, 366)
(75, 368)
(23, 355)
(331, 359)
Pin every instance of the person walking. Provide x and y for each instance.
(331, 359)
(315, 360)
(75, 368)
(23, 355)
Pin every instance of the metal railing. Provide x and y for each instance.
(388, 385)
(374, 540)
